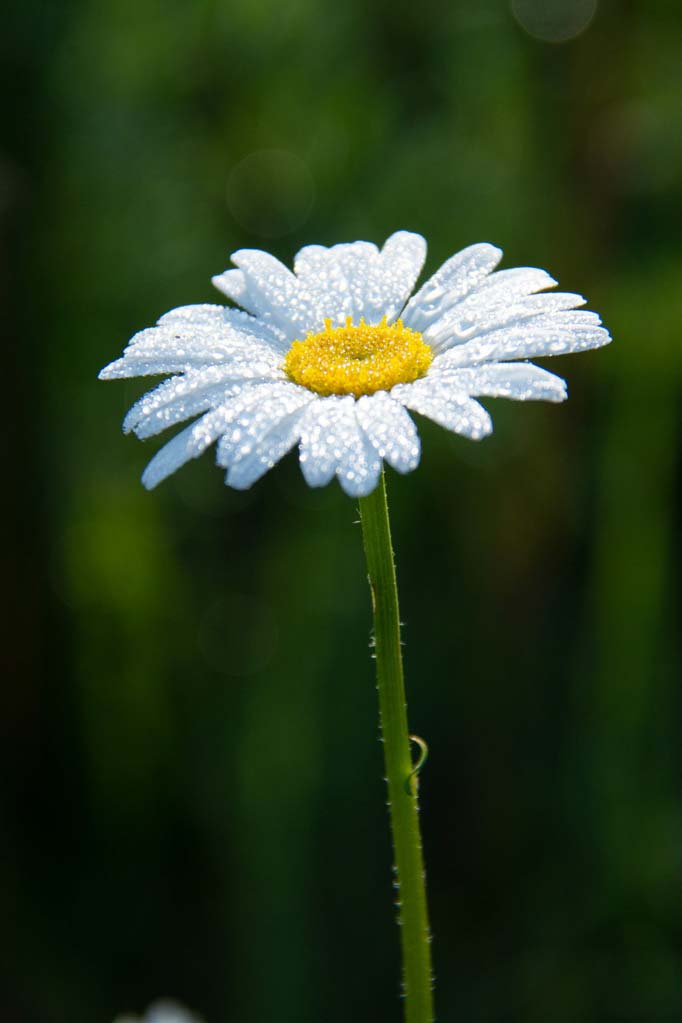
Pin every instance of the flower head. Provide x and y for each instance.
(331, 356)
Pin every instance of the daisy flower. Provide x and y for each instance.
(331, 356)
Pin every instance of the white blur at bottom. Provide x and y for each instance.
(162, 1012)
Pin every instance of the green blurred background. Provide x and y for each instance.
(192, 784)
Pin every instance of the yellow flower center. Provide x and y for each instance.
(358, 360)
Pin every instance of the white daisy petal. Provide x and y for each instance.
(224, 320)
(233, 284)
(380, 282)
(333, 443)
(145, 422)
(194, 336)
(255, 415)
(518, 281)
(402, 259)
(325, 284)
(195, 315)
(182, 396)
(163, 353)
(473, 318)
(455, 411)
(277, 440)
(252, 395)
(504, 297)
(217, 321)
(545, 335)
(457, 277)
(272, 291)
(521, 381)
(359, 263)
(155, 341)
(189, 317)
(189, 443)
(198, 436)
(390, 430)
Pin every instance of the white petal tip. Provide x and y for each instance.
(494, 250)
(404, 468)
(409, 237)
(122, 369)
(235, 483)
(130, 420)
(316, 484)
(356, 488)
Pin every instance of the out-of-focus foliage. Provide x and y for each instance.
(192, 780)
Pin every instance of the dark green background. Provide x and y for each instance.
(193, 798)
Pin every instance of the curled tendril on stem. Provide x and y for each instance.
(413, 777)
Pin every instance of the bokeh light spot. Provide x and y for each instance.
(554, 21)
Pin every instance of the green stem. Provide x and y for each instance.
(401, 778)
